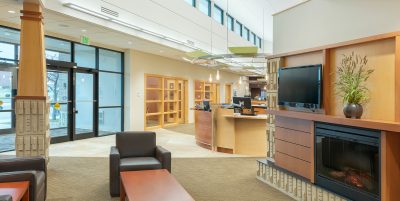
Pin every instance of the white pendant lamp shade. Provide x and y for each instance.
(210, 78)
(217, 77)
(240, 80)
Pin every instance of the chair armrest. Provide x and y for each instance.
(23, 164)
(21, 176)
(164, 156)
(114, 170)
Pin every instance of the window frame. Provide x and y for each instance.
(208, 7)
(241, 27)
(221, 16)
(232, 22)
(246, 33)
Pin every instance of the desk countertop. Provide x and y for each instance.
(257, 117)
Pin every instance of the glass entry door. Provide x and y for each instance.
(58, 89)
(84, 105)
(8, 89)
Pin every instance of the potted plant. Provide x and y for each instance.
(352, 75)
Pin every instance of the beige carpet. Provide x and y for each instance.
(206, 179)
(182, 128)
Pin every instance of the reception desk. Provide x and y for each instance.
(223, 131)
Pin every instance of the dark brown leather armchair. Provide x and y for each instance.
(135, 151)
(26, 169)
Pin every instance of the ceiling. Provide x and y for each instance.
(73, 28)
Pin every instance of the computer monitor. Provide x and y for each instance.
(244, 102)
(206, 105)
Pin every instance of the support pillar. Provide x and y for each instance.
(31, 104)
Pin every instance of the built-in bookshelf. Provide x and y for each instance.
(206, 91)
(165, 101)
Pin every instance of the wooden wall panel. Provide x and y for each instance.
(326, 81)
(294, 150)
(294, 124)
(304, 59)
(397, 80)
(296, 137)
(225, 129)
(203, 127)
(292, 164)
(381, 57)
(390, 166)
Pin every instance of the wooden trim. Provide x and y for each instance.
(390, 166)
(312, 148)
(225, 150)
(294, 150)
(30, 97)
(340, 44)
(326, 77)
(293, 124)
(363, 123)
(295, 165)
(397, 80)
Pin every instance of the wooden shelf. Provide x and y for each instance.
(153, 114)
(153, 101)
(157, 89)
(362, 123)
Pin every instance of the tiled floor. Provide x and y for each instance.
(180, 145)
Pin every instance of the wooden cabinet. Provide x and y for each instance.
(165, 101)
(206, 91)
(294, 146)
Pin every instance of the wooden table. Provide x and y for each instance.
(18, 190)
(151, 185)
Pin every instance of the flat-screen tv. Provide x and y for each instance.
(300, 86)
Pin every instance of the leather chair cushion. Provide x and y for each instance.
(136, 144)
(139, 163)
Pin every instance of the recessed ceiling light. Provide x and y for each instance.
(11, 11)
(83, 30)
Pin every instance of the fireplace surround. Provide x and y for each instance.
(347, 161)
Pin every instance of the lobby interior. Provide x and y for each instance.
(217, 100)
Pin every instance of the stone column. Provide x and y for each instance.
(31, 105)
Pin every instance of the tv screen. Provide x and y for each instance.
(300, 86)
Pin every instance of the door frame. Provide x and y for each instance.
(95, 122)
(68, 70)
(12, 68)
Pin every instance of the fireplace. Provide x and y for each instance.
(347, 161)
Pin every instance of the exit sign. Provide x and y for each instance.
(85, 40)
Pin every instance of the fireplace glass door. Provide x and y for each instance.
(349, 160)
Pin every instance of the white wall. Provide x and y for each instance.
(320, 22)
(173, 18)
(140, 63)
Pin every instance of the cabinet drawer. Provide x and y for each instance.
(295, 137)
(297, 151)
(294, 124)
(294, 165)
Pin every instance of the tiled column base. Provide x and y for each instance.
(32, 128)
(295, 187)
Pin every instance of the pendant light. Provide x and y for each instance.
(217, 76)
(240, 80)
(210, 78)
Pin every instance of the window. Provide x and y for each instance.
(58, 49)
(253, 38)
(110, 92)
(205, 7)
(7, 52)
(191, 2)
(246, 33)
(218, 14)
(110, 89)
(110, 60)
(85, 56)
(238, 28)
(259, 42)
(230, 23)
